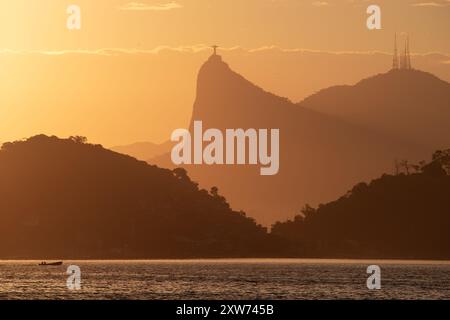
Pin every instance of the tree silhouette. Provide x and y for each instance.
(79, 139)
(443, 158)
(181, 174)
(214, 192)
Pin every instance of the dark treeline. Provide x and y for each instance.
(405, 215)
(65, 198)
(69, 199)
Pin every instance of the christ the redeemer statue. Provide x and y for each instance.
(215, 49)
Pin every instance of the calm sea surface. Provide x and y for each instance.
(226, 279)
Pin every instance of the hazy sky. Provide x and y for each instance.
(332, 25)
(64, 82)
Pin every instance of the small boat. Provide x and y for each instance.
(57, 263)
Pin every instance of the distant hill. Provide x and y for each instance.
(144, 150)
(64, 198)
(395, 216)
(67, 199)
(320, 156)
(409, 104)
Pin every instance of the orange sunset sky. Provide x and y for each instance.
(129, 74)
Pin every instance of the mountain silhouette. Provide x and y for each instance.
(320, 156)
(64, 198)
(396, 216)
(143, 150)
(410, 104)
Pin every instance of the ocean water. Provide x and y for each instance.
(226, 279)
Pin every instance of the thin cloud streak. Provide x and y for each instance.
(320, 3)
(138, 6)
(438, 4)
(203, 47)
